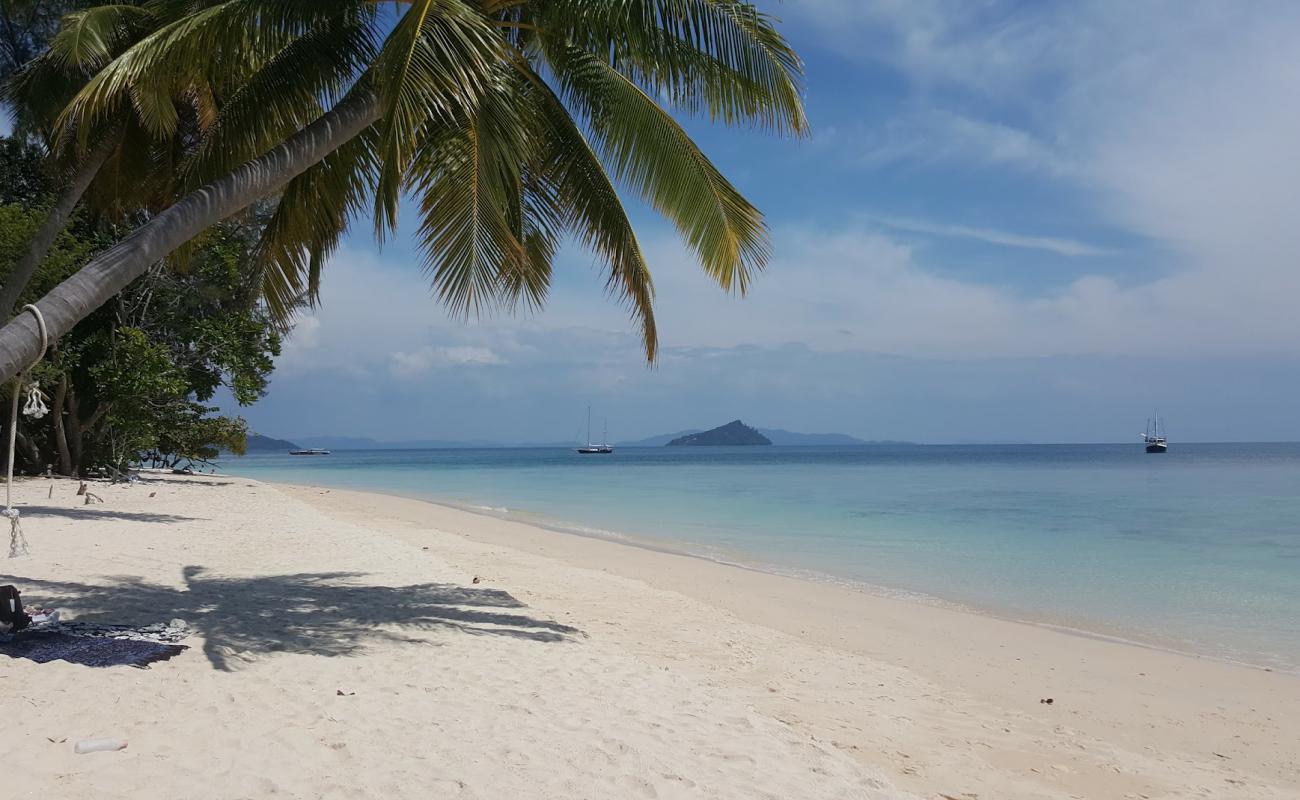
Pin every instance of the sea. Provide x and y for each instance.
(1196, 550)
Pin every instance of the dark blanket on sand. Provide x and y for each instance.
(90, 651)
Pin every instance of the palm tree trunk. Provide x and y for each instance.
(54, 222)
(111, 271)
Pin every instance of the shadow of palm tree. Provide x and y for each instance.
(326, 614)
(91, 512)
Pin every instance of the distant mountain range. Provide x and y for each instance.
(262, 444)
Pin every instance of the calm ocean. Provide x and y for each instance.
(1197, 550)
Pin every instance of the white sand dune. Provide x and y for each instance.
(341, 649)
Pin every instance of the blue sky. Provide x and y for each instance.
(1012, 221)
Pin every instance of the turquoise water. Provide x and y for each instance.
(1197, 550)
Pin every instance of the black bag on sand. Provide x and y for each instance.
(11, 609)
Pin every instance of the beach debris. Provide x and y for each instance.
(477, 579)
(1047, 701)
(153, 494)
(52, 740)
(81, 489)
(51, 494)
(1221, 755)
(342, 693)
(91, 497)
(99, 746)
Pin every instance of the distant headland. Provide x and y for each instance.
(732, 434)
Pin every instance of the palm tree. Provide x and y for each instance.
(509, 121)
(125, 162)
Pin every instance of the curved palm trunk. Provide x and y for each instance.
(54, 222)
(110, 272)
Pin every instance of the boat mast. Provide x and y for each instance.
(604, 436)
(589, 426)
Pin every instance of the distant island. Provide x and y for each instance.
(732, 434)
(778, 437)
(260, 444)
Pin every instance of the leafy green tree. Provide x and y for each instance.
(508, 122)
(136, 376)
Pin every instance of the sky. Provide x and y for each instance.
(1011, 222)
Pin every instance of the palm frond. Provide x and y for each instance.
(433, 66)
(593, 210)
(649, 151)
(87, 40)
(285, 94)
(219, 43)
(310, 217)
(722, 58)
(468, 177)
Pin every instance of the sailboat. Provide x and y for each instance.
(596, 449)
(1155, 435)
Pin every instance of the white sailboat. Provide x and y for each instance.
(592, 448)
(1155, 436)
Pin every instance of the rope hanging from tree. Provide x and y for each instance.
(35, 408)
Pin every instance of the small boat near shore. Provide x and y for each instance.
(311, 451)
(1154, 437)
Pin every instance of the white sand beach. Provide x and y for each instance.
(357, 645)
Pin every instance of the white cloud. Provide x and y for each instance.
(1177, 119)
(1062, 247)
(950, 139)
(418, 362)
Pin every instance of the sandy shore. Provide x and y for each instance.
(342, 648)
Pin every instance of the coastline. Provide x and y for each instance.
(1159, 700)
(492, 658)
(1088, 629)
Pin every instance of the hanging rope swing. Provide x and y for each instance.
(34, 408)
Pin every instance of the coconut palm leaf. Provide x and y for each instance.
(650, 152)
(290, 90)
(310, 217)
(722, 58)
(467, 176)
(595, 215)
(433, 66)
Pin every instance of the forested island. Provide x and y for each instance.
(732, 434)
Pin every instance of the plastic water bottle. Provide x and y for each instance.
(99, 745)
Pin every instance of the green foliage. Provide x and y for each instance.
(71, 249)
(134, 378)
(23, 178)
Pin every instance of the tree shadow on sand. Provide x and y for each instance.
(326, 614)
(94, 512)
